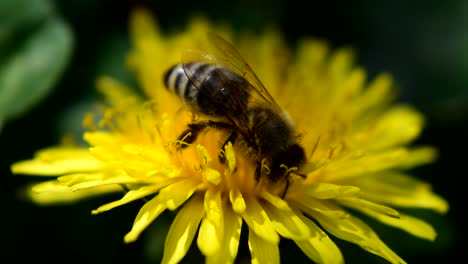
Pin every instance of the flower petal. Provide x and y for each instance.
(237, 201)
(306, 204)
(262, 251)
(176, 194)
(58, 161)
(319, 247)
(80, 181)
(365, 163)
(358, 203)
(130, 196)
(183, 230)
(398, 189)
(212, 176)
(116, 92)
(150, 211)
(54, 192)
(208, 241)
(340, 64)
(356, 231)
(230, 243)
(284, 220)
(377, 95)
(323, 190)
(210, 234)
(258, 221)
(419, 156)
(398, 125)
(101, 138)
(412, 225)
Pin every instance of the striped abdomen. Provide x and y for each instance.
(209, 89)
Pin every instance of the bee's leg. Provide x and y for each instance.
(232, 138)
(191, 133)
(263, 168)
(285, 188)
(288, 182)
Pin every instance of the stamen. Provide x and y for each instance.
(265, 167)
(181, 142)
(288, 170)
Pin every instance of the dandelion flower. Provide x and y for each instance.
(357, 143)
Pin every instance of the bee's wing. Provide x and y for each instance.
(228, 72)
(227, 56)
(220, 89)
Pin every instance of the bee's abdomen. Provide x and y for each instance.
(210, 89)
(177, 82)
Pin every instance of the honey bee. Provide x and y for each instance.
(222, 86)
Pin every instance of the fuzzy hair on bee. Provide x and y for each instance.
(222, 85)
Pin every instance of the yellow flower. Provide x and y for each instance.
(356, 142)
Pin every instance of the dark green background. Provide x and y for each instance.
(424, 44)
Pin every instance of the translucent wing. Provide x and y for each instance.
(230, 86)
(227, 56)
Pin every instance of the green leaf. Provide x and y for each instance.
(33, 67)
(16, 15)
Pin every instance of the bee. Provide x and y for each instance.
(223, 86)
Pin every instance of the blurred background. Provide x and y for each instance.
(424, 44)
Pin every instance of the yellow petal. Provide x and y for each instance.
(419, 156)
(340, 64)
(130, 196)
(101, 138)
(117, 93)
(58, 161)
(80, 181)
(142, 27)
(311, 52)
(346, 85)
(319, 247)
(398, 189)
(398, 125)
(262, 251)
(258, 221)
(358, 203)
(148, 154)
(237, 201)
(76, 178)
(230, 243)
(182, 231)
(150, 211)
(208, 241)
(412, 225)
(177, 193)
(285, 221)
(274, 200)
(307, 204)
(212, 176)
(366, 164)
(323, 190)
(54, 192)
(356, 231)
(210, 234)
(213, 206)
(378, 93)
